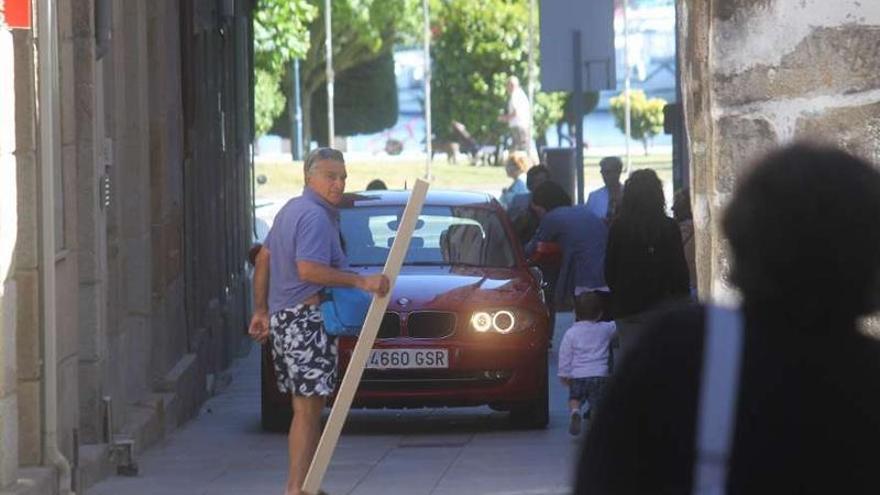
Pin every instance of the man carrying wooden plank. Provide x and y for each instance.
(301, 256)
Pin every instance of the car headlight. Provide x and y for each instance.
(502, 321)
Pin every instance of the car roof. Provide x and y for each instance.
(399, 198)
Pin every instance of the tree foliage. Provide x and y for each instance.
(280, 35)
(269, 101)
(281, 32)
(365, 100)
(646, 115)
(477, 46)
(362, 31)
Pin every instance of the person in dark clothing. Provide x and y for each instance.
(645, 264)
(804, 232)
(524, 220)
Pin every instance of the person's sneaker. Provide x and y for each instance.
(574, 424)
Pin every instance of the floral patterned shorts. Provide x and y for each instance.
(303, 354)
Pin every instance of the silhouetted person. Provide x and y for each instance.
(804, 233)
(644, 261)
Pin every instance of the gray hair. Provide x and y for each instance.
(318, 154)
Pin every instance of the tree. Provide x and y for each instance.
(362, 31)
(269, 100)
(646, 116)
(280, 35)
(477, 46)
(365, 100)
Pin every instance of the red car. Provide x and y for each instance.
(467, 324)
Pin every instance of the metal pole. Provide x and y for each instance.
(427, 57)
(328, 28)
(531, 74)
(578, 104)
(626, 87)
(296, 139)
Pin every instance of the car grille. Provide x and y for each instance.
(430, 324)
(390, 327)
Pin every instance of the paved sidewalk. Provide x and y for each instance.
(427, 451)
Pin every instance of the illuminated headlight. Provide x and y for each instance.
(502, 321)
(481, 321)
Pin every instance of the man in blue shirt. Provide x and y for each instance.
(580, 234)
(603, 201)
(302, 255)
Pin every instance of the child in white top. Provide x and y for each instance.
(584, 355)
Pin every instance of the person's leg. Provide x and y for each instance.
(575, 399)
(302, 439)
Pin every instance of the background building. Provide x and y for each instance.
(125, 206)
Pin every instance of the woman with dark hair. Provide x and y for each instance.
(644, 262)
(803, 397)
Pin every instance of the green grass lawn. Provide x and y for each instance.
(286, 179)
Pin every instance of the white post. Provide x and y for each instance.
(626, 87)
(328, 28)
(427, 72)
(531, 75)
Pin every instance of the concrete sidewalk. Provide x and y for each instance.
(427, 451)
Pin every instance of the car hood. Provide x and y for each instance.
(445, 287)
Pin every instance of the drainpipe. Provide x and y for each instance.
(47, 74)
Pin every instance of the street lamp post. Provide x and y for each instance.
(427, 73)
(328, 28)
(626, 87)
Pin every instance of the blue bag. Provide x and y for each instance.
(344, 310)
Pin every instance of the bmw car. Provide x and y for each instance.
(467, 324)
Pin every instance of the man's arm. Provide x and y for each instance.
(320, 274)
(547, 232)
(259, 327)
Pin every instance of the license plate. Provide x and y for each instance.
(408, 358)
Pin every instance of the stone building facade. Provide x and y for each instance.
(760, 73)
(125, 204)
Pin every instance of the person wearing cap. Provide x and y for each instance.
(302, 255)
(603, 202)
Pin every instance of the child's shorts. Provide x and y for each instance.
(591, 389)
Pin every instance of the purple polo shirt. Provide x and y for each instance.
(305, 229)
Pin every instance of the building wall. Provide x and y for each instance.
(27, 252)
(150, 287)
(760, 73)
(8, 237)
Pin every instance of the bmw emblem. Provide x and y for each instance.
(403, 301)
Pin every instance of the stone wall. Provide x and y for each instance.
(8, 220)
(139, 320)
(760, 73)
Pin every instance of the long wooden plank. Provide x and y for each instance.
(345, 394)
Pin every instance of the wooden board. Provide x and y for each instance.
(352, 378)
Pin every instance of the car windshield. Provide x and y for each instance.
(443, 236)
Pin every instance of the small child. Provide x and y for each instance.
(584, 355)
